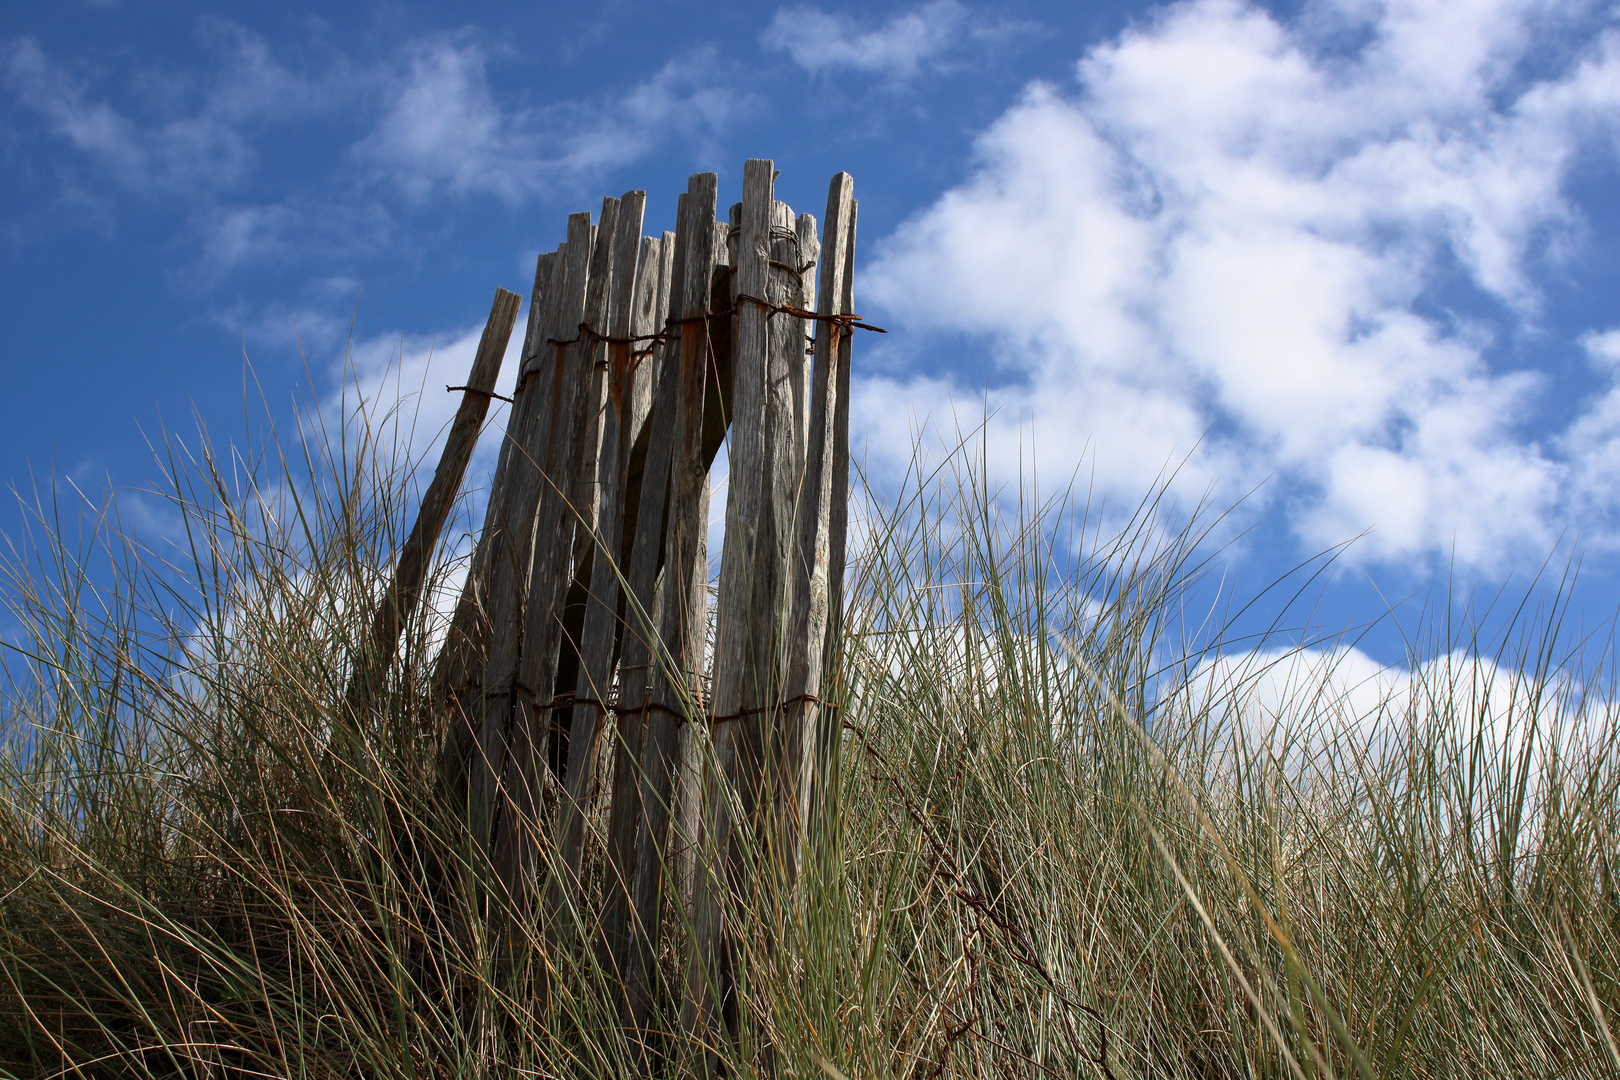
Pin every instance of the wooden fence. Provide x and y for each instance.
(584, 673)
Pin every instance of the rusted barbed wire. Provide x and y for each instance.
(668, 334)
(566, 701)
(481, 393)
(799, 312)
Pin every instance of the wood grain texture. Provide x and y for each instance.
(403, 593)
(494, 692)
(741, 657)
(672, 683)
(579, 515)
(554, 452)
(645, 319)
(807, 619)
(828, 725)
(592, 688)
(457, 680)
(639, 626)
(809, 253)
(692, 747)
(784, 471)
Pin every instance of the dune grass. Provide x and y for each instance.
(1055, 840)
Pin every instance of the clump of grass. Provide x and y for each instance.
(1051, 842)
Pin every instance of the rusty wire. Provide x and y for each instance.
(475, 390)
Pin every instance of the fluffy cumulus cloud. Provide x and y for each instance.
(1592, 441)
(1222, 251)
(1335, 710)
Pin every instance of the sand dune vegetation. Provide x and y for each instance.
(1055, 838)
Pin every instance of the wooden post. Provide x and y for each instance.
(506, 733)
(518, 845)
(809, 259)
(639, 625)
(670, 698)
(400, 598)
(596, 642)
(686, 810)
(461, 660)
(809, 606)
(581, 492)
(829, 730)
(493, 692)
(586, 491)
(742, 647)
(785, 448)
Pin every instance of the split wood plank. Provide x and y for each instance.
(645, 320)
(585, 492)
(516, 751)
(592, 690)
(809, 256)
(686, 811)
(457, 678)
(783, 475)
(672, 699)
(488, 698)
(404, 592)
(829, 731)
(740, 654)
(508, 533)
(641, 619)
(805, 667)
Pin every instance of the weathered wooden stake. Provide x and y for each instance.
(829, 728)
(742, 644)
(404, 592)
(499, 792)
(592, 691)
(591, 574)
(457, 681)
(640, 624)
(671, 698)
(809, 606)
(518, 844)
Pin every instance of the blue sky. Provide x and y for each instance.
(1355, 264)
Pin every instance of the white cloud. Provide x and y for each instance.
(1227, 243)
(444, 131)
(1335, 712)
(819, 41)
(91, 127)
(195, 138)
(231, 235)
(1592, 441)
(402, 378)
(423, 121)
(196, 143)
(243, 232)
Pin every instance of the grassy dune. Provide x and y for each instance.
(1061, 842)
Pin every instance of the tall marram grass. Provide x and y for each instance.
(1054, 843)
